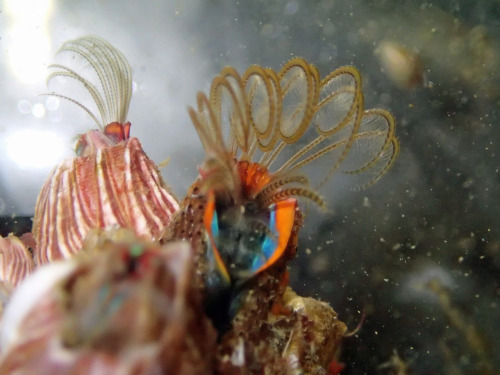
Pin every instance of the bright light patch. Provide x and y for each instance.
(28, 53)
(51, 103)
(34, 149)
(29, 10)
(27, 40)
(38, 110)
(24, 106)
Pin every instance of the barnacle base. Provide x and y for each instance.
(301, 336)
(273, 331)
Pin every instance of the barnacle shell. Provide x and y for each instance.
(111, 182)
(5, 292)
(187, 224)
(129, 308)
(16, 261)
(321, 328)
(117, 186)
(302, 337)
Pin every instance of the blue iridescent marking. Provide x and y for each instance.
(270, 242)
(214, 226)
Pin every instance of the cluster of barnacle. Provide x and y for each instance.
(122, 279)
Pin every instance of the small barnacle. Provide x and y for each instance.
(403, 66)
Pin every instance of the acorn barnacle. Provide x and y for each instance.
(126, 308)
(259, 131)
(110, 182)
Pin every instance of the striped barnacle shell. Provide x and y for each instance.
(111, 182)
(16, 262)
(118, 186)
(126, 308)
(5, 292)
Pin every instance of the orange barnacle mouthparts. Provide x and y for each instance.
(259, 130)
(111, 182)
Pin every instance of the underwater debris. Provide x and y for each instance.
(395, 366)
(471, 335)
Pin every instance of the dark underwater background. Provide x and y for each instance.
(418, 253)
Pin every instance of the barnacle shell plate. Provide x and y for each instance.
(15, 260)
(117, 186)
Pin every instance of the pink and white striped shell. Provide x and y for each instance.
(118, 186)
(129, 308)
(16, 261)
(111, 182)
